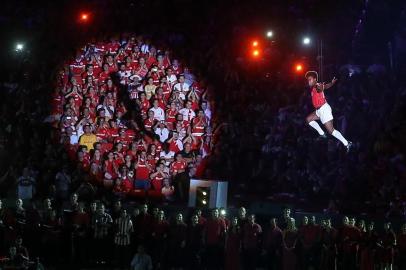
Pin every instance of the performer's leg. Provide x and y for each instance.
(311, 120)
(330, 129)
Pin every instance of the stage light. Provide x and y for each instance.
(204, 202)
(306, 41)
(255, 43)
(84, 16)
(222, 212)
(255, 53)
(299, 68)
(269, 34)
(19, 47)
(204, 193)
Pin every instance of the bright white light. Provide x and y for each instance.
(19, 47)
(204, 202)
(269, 34)
(306, 41)
(223, 212)
(204, 193)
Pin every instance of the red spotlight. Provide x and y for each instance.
(255, 53)
(255, 43)
(84, 16)
(299, 68)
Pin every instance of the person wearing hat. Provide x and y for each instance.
(322, 109)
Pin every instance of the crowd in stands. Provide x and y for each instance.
(137, 237)
(132, 117)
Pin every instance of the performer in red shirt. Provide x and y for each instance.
(323, 109)
(386, 245)
(215, 229)
(251, 242)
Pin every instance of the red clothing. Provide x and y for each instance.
(215, 229)
(318, 98)
(142, 171)
(309, 235)
(157, 181)
(177, 166)
(251, 234)
(232, 250)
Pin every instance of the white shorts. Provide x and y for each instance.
(324, 113)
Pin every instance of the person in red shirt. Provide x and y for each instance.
(143, 103)
(323, 109)
(368, 250)
(251, 242)
(158, 177)
(308, 235)
(273, 245)
(142, 171)
(386, 244)
(160, 228)
(177, 243)
(178, 166)
(214, 232)
(233, 246)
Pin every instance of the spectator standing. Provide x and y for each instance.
(26, 185)
(122, 238)
(141, 260)
(101, 223)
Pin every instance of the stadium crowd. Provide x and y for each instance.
(132, 117)
(137, 237)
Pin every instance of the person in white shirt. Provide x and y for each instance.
(167, 155)
(159, 113)
(182, 87)
(187, 112)
(170, 77)
(73, 137)
(162, 131)
(206, 109)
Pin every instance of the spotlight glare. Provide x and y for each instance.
(19, 47)
(269, 34)
(204, 193)
(255, 53)
(298, 68)
(306, 41)
(84, 17)
(255, 43)
(204, 202)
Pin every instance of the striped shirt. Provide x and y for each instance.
(124, 228)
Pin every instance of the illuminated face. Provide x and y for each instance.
(19, 203)
(195, 219)
(144, 208)
(305, 220)
(311, 81)
(242, 212)
(179, 218)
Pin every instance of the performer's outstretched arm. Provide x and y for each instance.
(324, 86)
